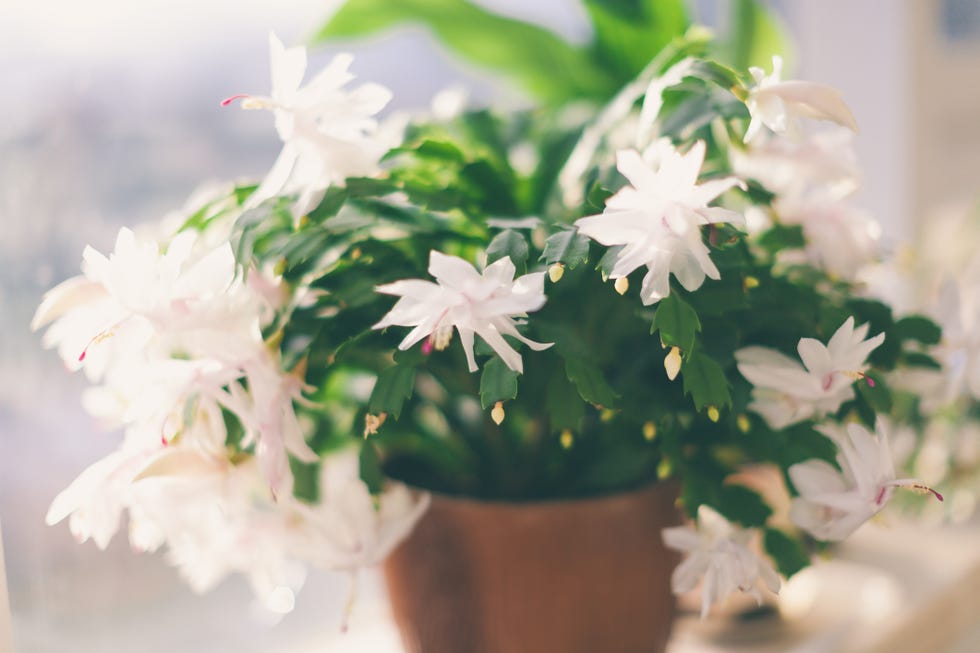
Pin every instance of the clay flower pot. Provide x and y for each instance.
(567, 576)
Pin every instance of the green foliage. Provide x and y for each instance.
(755, 36)
(497, 382)
(509, 243)
(540, 60)
(590, 382)
(566, 246)
(677, 322)
(705, 381)
(629, 33)
(394, 385)
(787, 552)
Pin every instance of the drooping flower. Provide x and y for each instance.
(349, 528)
(166, 327)
(328, 133)
(131, 294)
(840, 239)
(778, 105)
(718, 552)
(834, 503)
(472, 303)
(786, 391)
(657, 219)
(822, 164)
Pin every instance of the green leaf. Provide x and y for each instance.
(608, 260)
(878, 397)
(740, 504)
(537, 58)
(509, 243)
(370, 468)
(918, 359)
(590, 382)
(780, 237)
(597, 196)
(566, 246)
(754, 37)
(497, 382)
(564, 404)
(787, 552)
(677, 322)
(705, 381)
(394, 385)
(629, 33)
(919, 328)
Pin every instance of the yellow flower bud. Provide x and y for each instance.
(498, 414)
(622, 285)
(566, 439)
(672, 363)
(556, 272)
(750, 283)
(713, 413)
(743, 423)
(649, 431)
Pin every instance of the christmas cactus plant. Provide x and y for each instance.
(649, 275)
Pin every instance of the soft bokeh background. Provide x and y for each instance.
(110, 116)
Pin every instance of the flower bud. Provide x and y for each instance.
(672, 363)
(556, 272)
(498, 414)
(649, 431)
(622, 285)
(567, 439)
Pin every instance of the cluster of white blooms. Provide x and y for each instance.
(811, 173)
(169, 329)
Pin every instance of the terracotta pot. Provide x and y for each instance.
(571, 576)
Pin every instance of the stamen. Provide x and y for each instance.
(231, 99)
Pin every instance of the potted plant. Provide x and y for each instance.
(553, 325)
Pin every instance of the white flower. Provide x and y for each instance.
(658, 218)
(718, 552)
(834, 503)
(786, 391)
(166, 331)
(133, 293)
(840, 238)
(823, 163)
(482, 304)
(328, 133)
(777, 104)
(348, 528)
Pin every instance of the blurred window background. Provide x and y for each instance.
(111, 117)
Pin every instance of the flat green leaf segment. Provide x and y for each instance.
(677, 322)
(497, 383)
(566, 246)
(393, 387)
(509, 243)
(704, 380)
(787, 552)
(537, 58)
